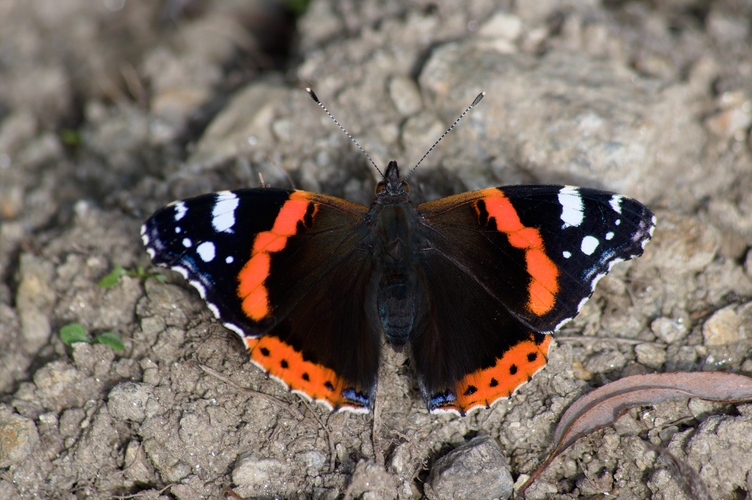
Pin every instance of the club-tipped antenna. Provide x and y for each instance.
(475, 103)
(316, 99)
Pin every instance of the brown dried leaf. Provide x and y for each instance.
(605, 405)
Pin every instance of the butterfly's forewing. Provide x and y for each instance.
(527, 257)
(272, 265)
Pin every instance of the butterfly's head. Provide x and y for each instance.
(393, 184)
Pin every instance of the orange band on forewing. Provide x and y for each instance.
(252, 278)
(517, 366)
(282, 361)
(543, 272)
(291, 213)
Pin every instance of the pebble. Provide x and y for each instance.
(476, 469)
(722, 327)
(18, 436)
(127, 401)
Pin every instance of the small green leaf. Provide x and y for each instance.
(113, 277)
(72, 333)
(159, 277)
(297, 7)
(111, 339)
(71, 137)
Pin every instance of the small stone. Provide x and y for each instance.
(34, 301)
(405, 95)
(580, 372)
(127, 401)
(137, 465)
(313, 459)
(476, 469)
(18, 436)
(419, 132)
(502, 25)
(258, 476)
(650, 355)
(728, 122)
(722, 327)
(606, 361)
(668, 330)
(371, 481)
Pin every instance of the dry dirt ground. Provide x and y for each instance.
(111, 109)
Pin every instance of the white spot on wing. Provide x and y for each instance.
(181, 271)
(589, 244)
(187, 243)
(178, 229)
(615, 203)
(610, 235)
(206, 251)
(151, 253)
(229, 259)
(566, 254)
(571, 206)
(198, 286)
(180, 210)
(223, 212)
(235, 328)
(214, 309)
(143, 229)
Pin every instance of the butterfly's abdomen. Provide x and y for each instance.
(397, 287)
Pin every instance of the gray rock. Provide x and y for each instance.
(567, 117)
(128, 400)
(722, 328)
(606, 361)
(258, 476)
(476, 469)
(34, 301)
(668, 330)
(650, 355)
(18, 437)
(370, 481)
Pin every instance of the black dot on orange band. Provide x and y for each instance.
(329, 385)
(480, 208)
(493, 383)
(513, 369)
(306, 377)
(471, 389)
(308, 218)
(264, 351)
(284, 363)
(532, 357)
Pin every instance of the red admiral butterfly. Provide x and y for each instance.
(472, 284)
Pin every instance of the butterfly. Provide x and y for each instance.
(471, 286)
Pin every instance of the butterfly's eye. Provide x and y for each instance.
(380, 187)
(406, 186)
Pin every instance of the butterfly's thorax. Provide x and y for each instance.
(394, 225)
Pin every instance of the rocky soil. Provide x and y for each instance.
(109, 110)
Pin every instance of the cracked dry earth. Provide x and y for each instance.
(109, 110)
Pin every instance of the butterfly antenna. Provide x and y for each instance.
(316, 99)
(475, 103)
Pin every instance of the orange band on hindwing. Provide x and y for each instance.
(544, 284)
(282, 361)
(252, 278)
(517, 366)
